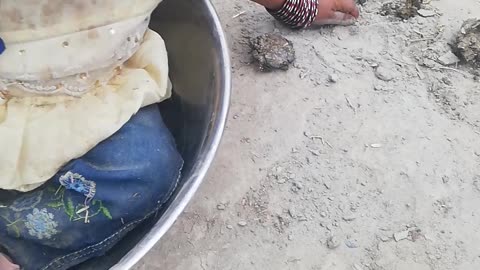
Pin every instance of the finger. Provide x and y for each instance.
(347, 6)
(337, 18)
(6, 264)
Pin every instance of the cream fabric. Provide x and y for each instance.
(39, 134)
(69, 64)
(65, 47)
(27, 20)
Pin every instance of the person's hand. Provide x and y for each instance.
(337, 12)
(6, 264)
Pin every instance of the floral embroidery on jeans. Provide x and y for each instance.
(27, 202)
(76, 211)
(75, 181)
(41, 224)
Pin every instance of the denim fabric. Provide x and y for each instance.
(122, 181)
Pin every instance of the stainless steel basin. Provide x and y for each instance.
(196, 114)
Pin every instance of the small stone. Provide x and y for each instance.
(428, 63)
(272, 51)
(298, 185)
(385, 238)
(446, 81)
(445, 179)
(384, 73)
(357, 267)
(229, 227)
(467, 43)
(242, 223)
(399, 236)
(349, 218)
(376, 145)
(401, 10)
(351, 244)
(292, 213)
(333, 78)
(323, 214)
(333, 242)
(361, 2)
(476, 183)
(302, 218)
(426, 13)
(416, 234)
(221, 206)
(448, 59)
(282, 181)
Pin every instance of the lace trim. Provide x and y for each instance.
(80, 83)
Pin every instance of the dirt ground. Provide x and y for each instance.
(362, 156)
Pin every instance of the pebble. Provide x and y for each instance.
(446, 81)
(229, 227)
(242, 223)
(323, 214)
(333, 78)
(272, 51)
(467, 43)
(385, 238)
(298, 185)
(426, 13)
(399, 236)
(292, 213)
(349, 218)
(448, 58)
(384, 74)
(351, 244)
(357, 267)
(332, 242)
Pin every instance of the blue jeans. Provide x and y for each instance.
(93, 201)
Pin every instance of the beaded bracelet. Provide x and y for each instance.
(296, 13)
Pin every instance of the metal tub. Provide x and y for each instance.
(196, 114)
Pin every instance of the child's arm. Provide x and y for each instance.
(329, 11)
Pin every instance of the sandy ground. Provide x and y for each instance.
(357, 174)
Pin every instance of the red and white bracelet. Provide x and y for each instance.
(296, 13)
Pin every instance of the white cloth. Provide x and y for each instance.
(57, 47)
(40, 134)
